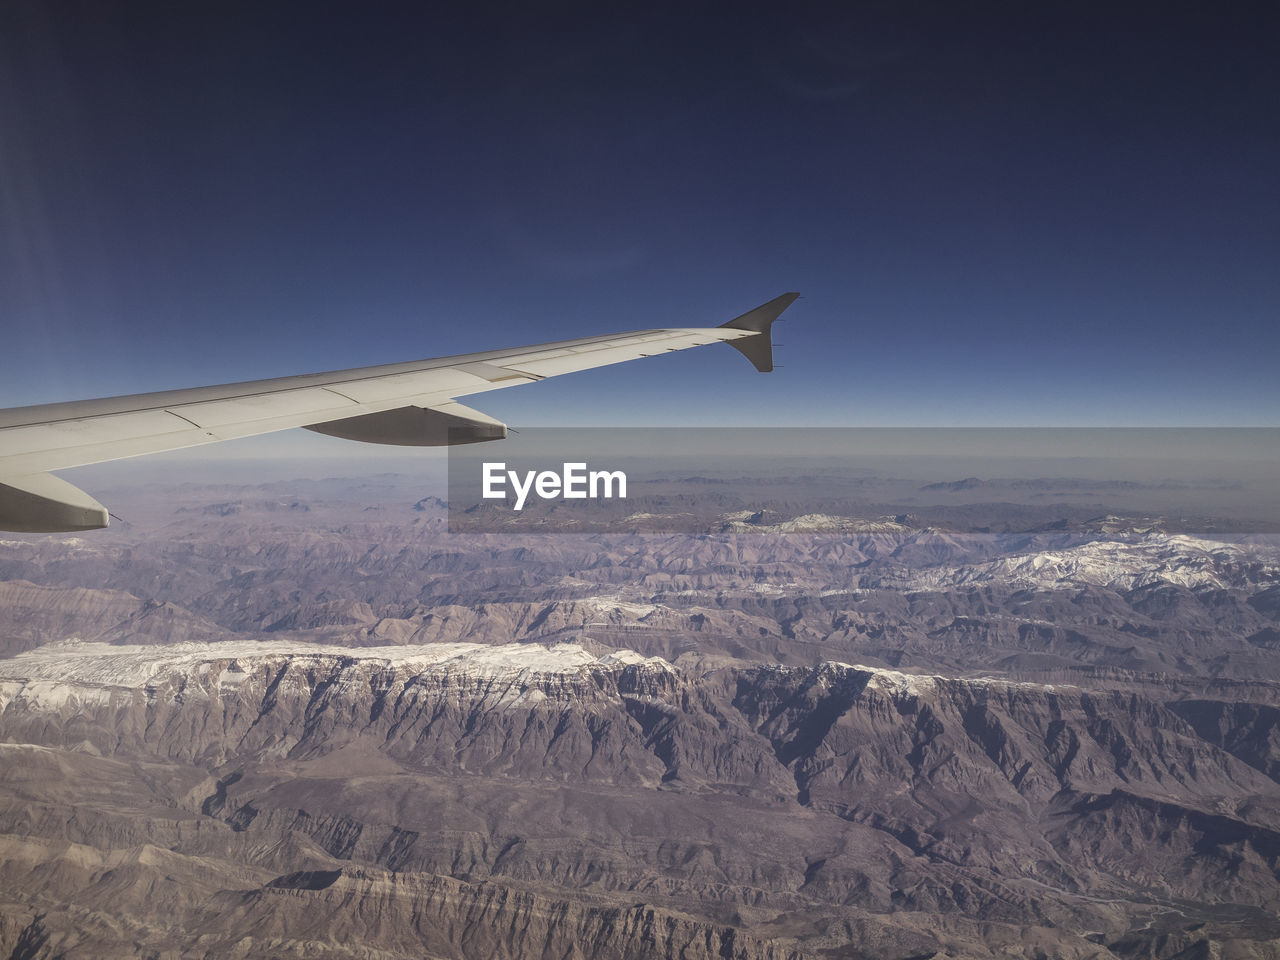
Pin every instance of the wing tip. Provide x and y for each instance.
(761, 318)
(759, 349)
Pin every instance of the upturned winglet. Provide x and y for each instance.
(759, 349)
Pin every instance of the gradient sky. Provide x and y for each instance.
(1021, 213)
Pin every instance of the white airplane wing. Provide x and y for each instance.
(400, 403)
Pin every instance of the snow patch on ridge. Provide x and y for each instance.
(1176, 559)
(914, 684)
(48, 669)
(615, 604)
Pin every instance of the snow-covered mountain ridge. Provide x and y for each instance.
(1176, 559)
(103, 664)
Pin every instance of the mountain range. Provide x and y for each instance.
(321, 725)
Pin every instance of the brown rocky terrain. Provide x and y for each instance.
(297, 726)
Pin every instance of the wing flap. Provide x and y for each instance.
(449, 381)
(67, 443)
(283, 404)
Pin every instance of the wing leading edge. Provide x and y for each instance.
(400, 403)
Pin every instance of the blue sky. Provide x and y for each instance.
(998, 214)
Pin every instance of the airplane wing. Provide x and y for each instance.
(400, 403)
